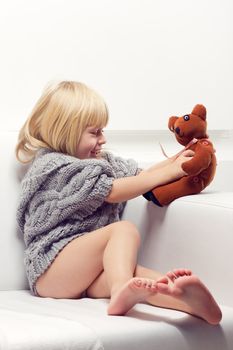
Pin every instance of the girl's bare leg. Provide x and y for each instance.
(112, 249)
(103, 263)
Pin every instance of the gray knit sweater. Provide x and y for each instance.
(63, 197)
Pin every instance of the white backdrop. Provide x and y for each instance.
(148, 58)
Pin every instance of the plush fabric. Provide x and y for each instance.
(190, 131)
(63, 197)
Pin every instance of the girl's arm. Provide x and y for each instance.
(130, 187)
(161, 164)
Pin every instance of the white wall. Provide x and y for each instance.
(148, 58)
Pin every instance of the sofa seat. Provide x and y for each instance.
(32, 323)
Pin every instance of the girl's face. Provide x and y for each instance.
(90, 143)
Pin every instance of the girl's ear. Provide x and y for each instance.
(171, 123)
(200, 111)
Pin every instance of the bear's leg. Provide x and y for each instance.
(185, 186)
(150, 197)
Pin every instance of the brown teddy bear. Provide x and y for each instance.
(190, 131)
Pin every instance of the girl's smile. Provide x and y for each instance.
(91, 142)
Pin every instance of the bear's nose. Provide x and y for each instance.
(177, 130)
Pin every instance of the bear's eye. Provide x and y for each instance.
(186, 117)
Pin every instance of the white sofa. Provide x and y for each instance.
(194, 232)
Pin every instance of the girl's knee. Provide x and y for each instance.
(129, 228)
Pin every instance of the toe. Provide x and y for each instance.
(163, 280)
(179, 272)
(154, 286)
(171, 275)
(188, 272)
(163, 288)
(149, 283)
(137, 282)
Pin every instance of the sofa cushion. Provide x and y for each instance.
(45, 323)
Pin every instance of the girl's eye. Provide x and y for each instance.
(97, 132)
(186, 117)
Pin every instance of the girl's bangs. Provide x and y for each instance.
(99, 118)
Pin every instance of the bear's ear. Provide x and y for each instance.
(200, 111)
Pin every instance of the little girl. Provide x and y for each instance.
(71, 203)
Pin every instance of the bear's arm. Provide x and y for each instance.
(200, 161)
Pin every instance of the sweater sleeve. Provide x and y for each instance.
(122, 167)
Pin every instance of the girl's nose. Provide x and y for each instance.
(102, 139)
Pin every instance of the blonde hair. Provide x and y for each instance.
(59, 118)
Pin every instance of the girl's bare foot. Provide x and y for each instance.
(192, 292)
(134, 291)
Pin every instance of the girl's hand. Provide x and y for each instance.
(130, 187)
(178, 161)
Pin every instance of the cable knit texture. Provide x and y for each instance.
(63, 197)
